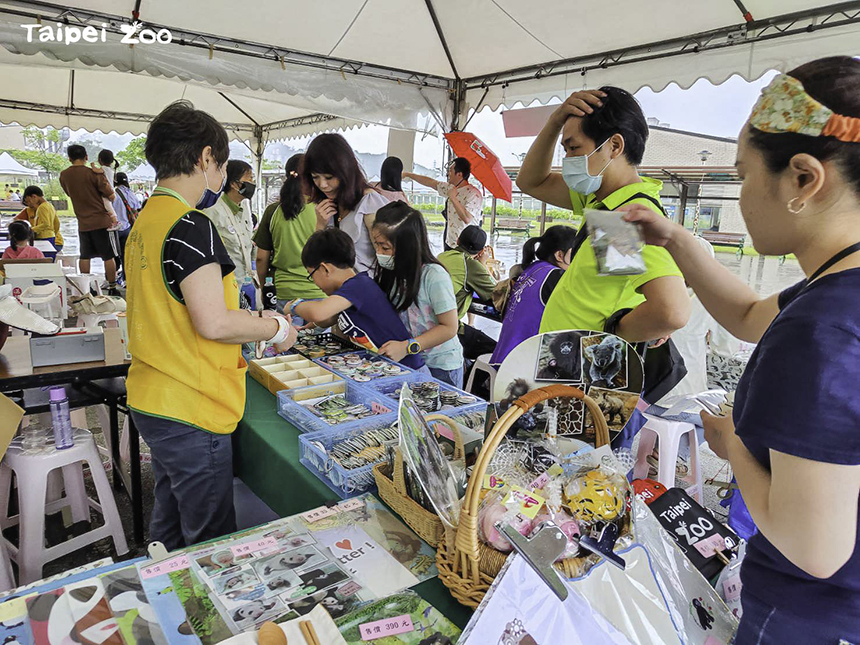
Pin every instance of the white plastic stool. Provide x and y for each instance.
(669, 434)
(7, 580)
(483, 364)
(31, 472)
(83, 282)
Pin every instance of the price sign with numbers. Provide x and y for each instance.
(386, 627)
(178, 563)
(732, 587)
(376, 408)
(323, 512)
(710, 545)
(266, 544)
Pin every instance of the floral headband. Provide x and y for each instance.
(784, 106)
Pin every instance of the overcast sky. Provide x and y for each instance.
(710, 109)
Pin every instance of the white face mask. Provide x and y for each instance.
(574, 170)
(385, 261)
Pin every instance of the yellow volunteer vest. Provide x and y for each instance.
(175, 373)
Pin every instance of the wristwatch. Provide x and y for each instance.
(413, 347)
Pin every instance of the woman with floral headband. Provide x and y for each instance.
(794, 437)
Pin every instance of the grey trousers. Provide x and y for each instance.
(193, 472)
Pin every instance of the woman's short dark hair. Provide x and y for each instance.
(177, 137)
(236, 169)
(391, 175)
(292, 195)
(106, 158)
(620, 114)
(405, 229)
(462, 166)
(76, 152)
(330, 154)
(834, 82)
(329, 245)
(121, 179)
(19, 231)
(556, 238)
(29, 191)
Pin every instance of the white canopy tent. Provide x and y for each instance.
(144, 172)
(11, 168)
(276, 69)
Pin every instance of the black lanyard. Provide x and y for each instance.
(844, 253)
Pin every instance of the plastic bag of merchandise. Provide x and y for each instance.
(658, 598)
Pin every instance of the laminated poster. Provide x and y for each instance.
(135, 617)
(168, 609)
(430, 625)
(203, 617)
(387, 531)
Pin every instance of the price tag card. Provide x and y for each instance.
(555, 471)
(317, 514)
(265, 544)
(323, 512)
(378, 408)
(350, 505)
(732, 587)
(529, 503)
(178, 563)
(387, 627)
(349, 588)
(710, 545)
(541, 481)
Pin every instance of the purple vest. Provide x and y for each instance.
(524, 310)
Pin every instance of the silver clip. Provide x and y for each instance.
(541, 550)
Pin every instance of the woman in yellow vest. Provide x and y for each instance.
(186, 384)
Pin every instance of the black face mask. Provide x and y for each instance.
(247, 189)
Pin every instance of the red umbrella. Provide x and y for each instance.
(486, 166)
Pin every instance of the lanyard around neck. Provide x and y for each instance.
(161, 190)
(844, 253)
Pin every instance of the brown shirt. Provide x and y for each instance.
(87, 189)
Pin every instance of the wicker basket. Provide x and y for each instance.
(467, 566)
(426, 524)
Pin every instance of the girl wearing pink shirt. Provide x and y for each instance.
(20, 238)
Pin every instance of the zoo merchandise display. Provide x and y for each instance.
(313, 345)
(707, 542)
(342, 405)
(617, 243)
(467, 564)
(363, 367)
(604, 366)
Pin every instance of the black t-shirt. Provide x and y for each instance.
(549, 284)
(192, 243)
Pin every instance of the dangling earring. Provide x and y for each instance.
(792, 208)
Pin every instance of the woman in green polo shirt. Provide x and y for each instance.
(603, 133)
(281, 236)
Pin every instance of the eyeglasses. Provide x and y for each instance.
(311, 274)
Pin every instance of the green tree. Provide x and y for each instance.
(268, 164)
(47, 140)
(133, 155)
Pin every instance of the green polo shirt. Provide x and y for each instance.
(583, 299)
(469, 276)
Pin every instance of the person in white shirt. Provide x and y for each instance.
(464, 205)
(16, 196)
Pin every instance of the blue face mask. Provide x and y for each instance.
(210, 197)
(574, 170)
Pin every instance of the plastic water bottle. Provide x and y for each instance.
(270, 295)
(61, 418)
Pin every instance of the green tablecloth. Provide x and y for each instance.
(266, 458)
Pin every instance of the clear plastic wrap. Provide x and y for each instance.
(617, 244)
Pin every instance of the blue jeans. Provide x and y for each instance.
(193, 472)
(452, 377)
(763, 624)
